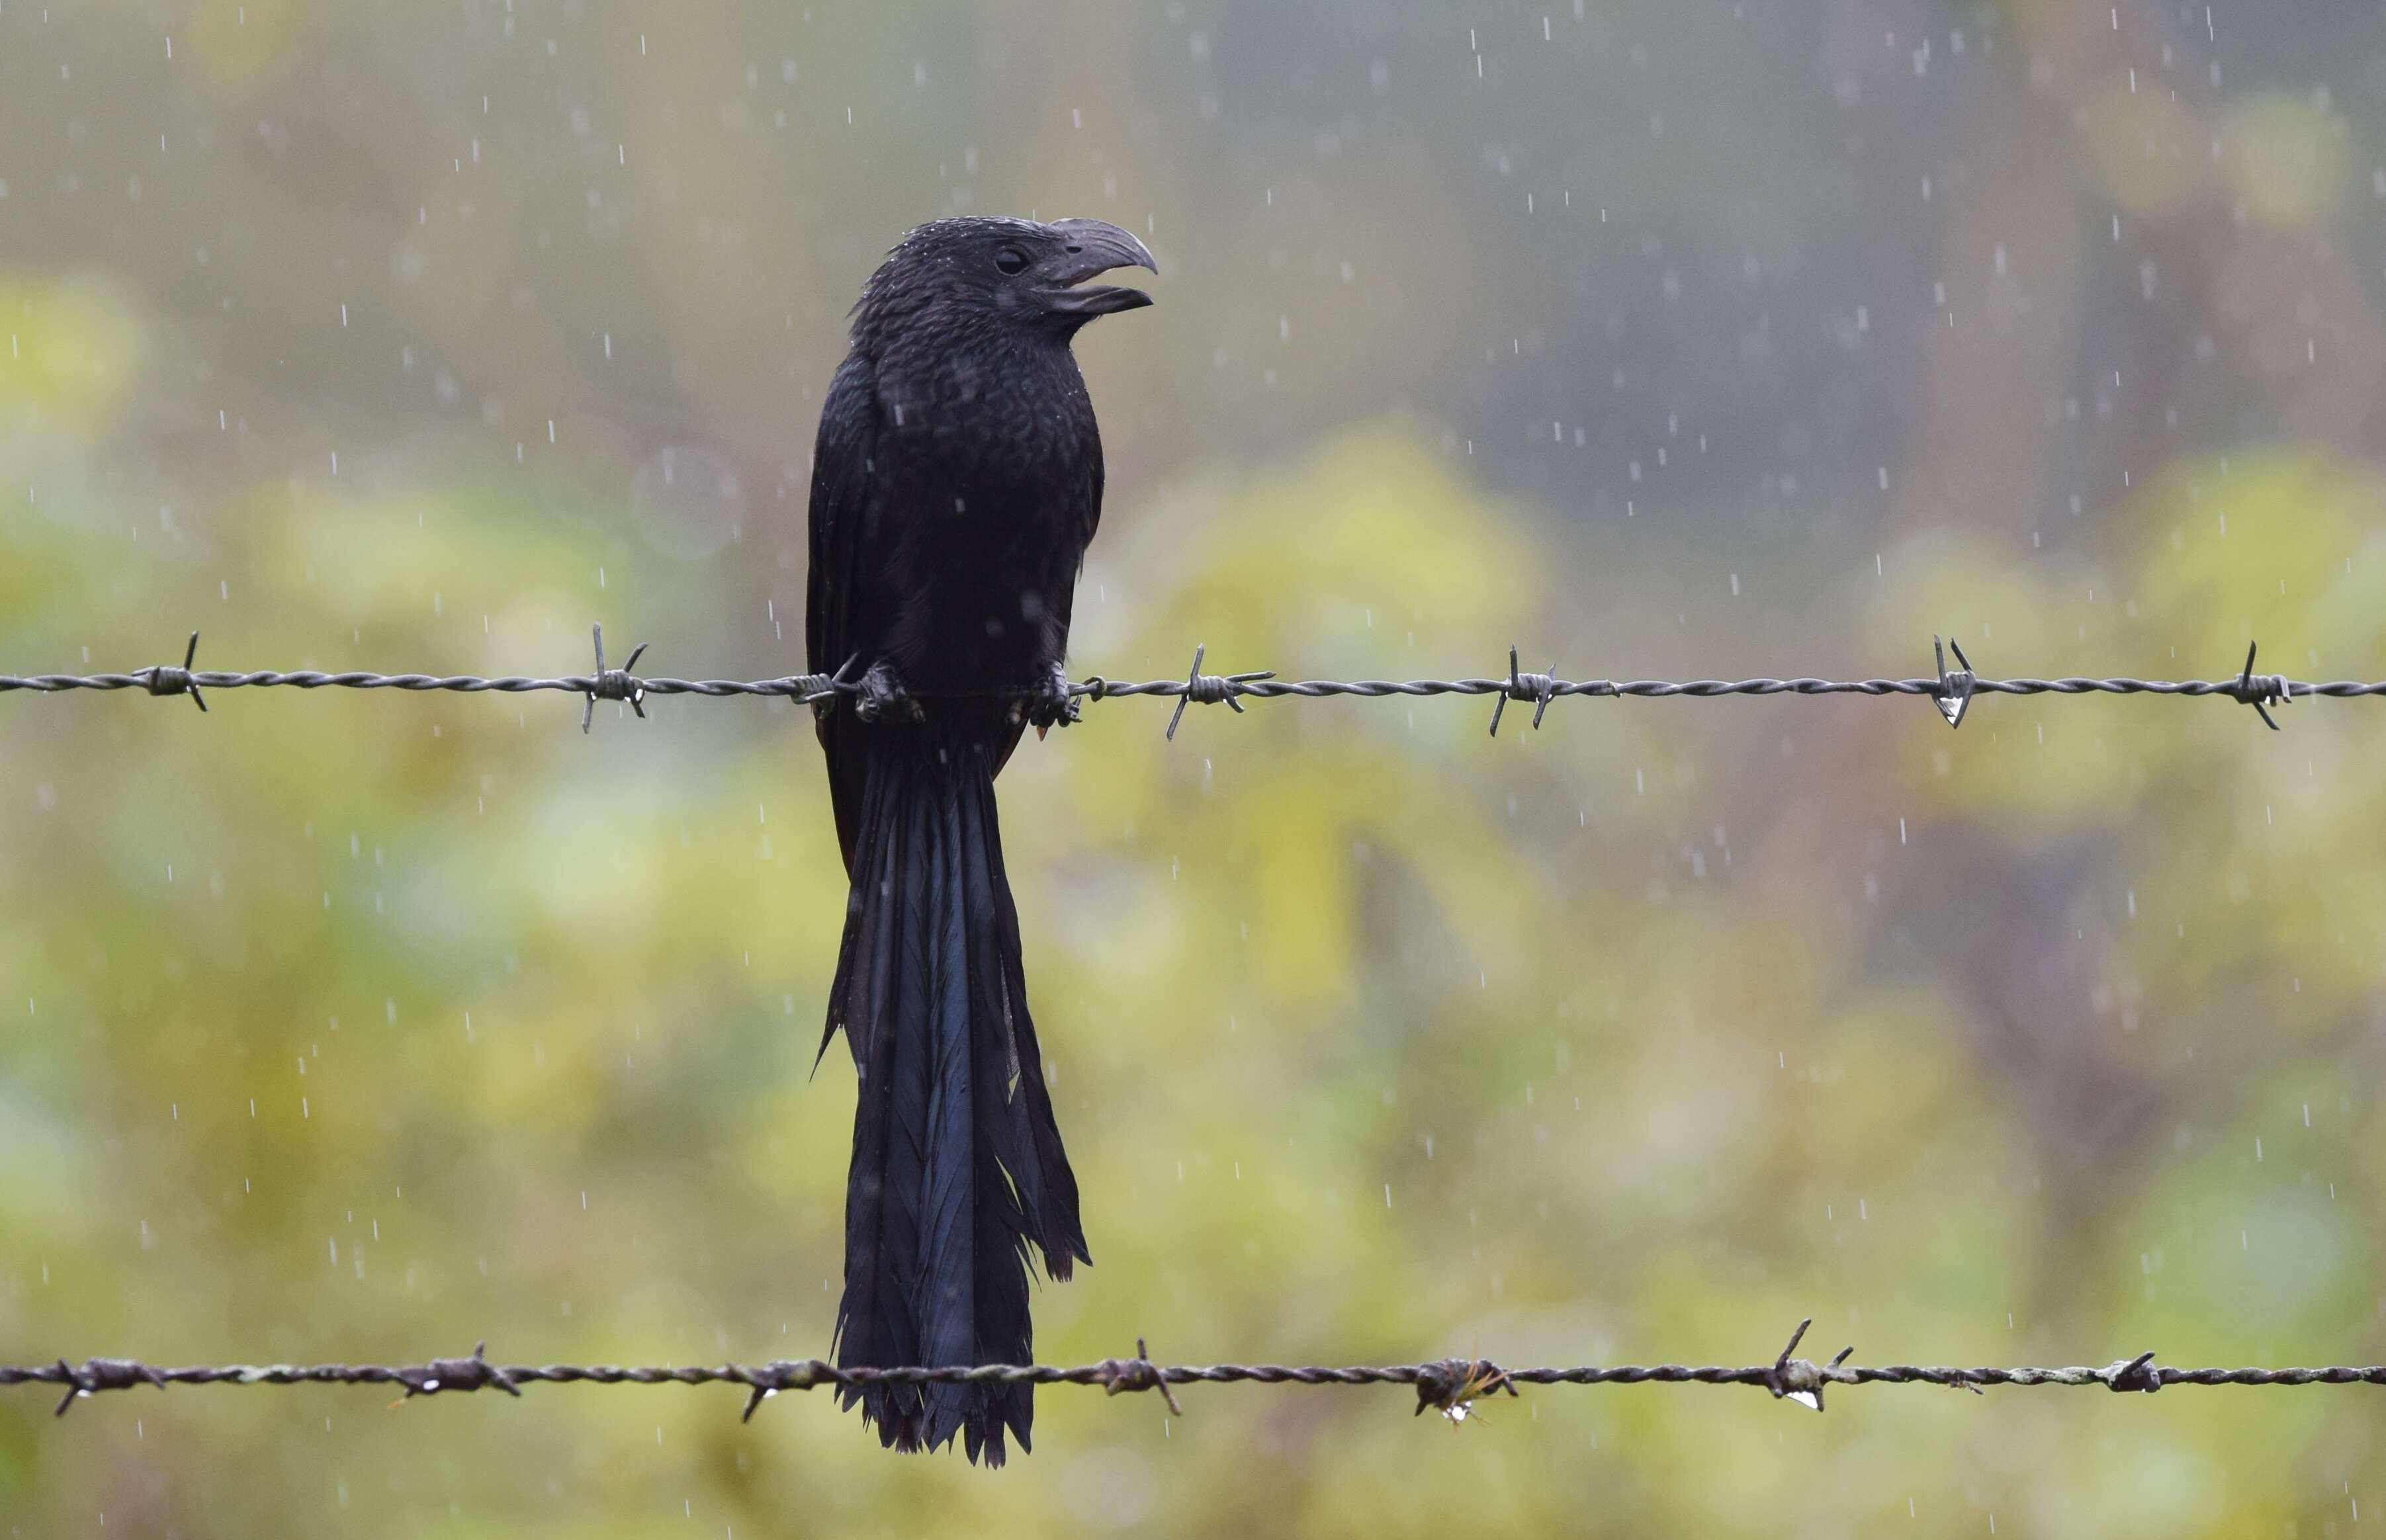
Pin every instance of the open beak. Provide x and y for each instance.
(1094, 247)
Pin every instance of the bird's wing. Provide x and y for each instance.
(1093, 492)
(844, 523)
(1083, 494)
(843, 512)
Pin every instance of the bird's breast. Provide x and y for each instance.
(989, 494)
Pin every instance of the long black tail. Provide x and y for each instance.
(957, 1160)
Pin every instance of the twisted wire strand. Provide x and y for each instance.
(1271, 689)
(1449, 1386)
(312, 679)
(811, 687)
(1952, 691)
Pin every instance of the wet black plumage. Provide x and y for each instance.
(957, 479)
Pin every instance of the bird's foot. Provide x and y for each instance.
(881, 692)
(1052, 705)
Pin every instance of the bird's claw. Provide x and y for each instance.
(881, 692)
(1052, 704)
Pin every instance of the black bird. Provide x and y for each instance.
(956, 482)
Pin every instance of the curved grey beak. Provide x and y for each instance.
(1094, 247)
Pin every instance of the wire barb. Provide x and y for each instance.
(1451, 1386)
(778, 1375)
(812, 689)
(98, 1374)
(1208, 689)
(1541, 689)
(1953, 696)
(1139, 1374)
(2138, 1374)
(461, 1374)
(1797, 1379)
(613, 683)
(164, 679)
(2262, 691)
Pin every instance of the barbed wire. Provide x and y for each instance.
(1952, 691)
(1450, 1386)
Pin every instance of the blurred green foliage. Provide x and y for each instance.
(361, 1026)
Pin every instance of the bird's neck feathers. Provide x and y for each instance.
(896, 321)
(936, 356)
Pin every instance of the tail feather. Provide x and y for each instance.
(958, 1165)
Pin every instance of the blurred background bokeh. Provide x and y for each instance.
(1668, 338)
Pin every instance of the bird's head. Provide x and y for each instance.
(1009, 273)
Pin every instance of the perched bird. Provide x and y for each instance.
(957, 479)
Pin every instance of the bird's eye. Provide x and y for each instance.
(1010, 259)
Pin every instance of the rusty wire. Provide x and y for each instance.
(1952, 691)
(1448, 1385)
